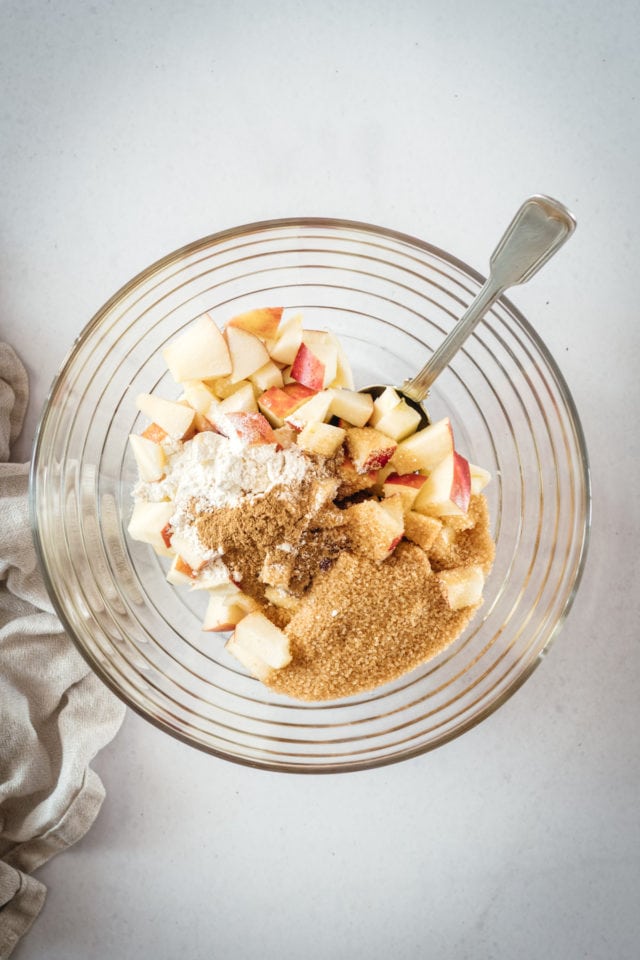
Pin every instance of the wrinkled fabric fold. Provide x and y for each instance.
(55, 715)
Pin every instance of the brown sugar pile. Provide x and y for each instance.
(353, 622)
(280, 539)
(363, 624)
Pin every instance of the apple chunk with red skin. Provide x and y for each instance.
(250, 428)
(368, 449)
(263, 322)
(148, 523)
(278, 403)
(375, 528)
(315, 365)
(447, 489)
(406, 485)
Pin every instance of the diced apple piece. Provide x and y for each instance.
(368, 448)
(175, 419)
(223, 387)
(463, 586)
(148, 520)
(220, 617)
(285, 436)
(266, 377)
(406, 486)
(288, 339)
(215, 578)
(155, 433)
(166, 533)
(426, 448)
(278, 403)
(479, 478)
(225, 611)
(242, 401)
(256, 667)
(400, 422)
(421, 529)
(249, 428)
(263, 322)
(447, 489)
(384, 404)
(321, 438)
(353, 482)
(373, 529)
(282, 598)
(344, 376)
(203, 424)
(205, 446)
(190, 551)
(381, 476)
(180, 572)
(315, 366)
(262, 639)
(314, 410)
(248, 353)
(198, 395)
(298, 392)
(355, 408)
(150, 458)
(199, 354)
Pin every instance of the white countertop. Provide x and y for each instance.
(129, 129)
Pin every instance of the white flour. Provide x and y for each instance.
(212, 471)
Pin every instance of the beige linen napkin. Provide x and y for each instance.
(55, 714)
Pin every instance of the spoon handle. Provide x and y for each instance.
(539, 228)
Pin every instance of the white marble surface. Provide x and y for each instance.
(129, 129)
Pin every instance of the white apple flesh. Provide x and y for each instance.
(425, 449)
(199, 354)
(447, 489)
(147, 522)
(150, 458)
(176, 419)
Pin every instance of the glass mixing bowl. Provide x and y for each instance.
(391, 299)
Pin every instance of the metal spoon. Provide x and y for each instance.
(539, 228)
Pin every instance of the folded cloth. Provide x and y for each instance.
(55, 714)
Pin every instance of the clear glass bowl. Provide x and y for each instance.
(391, 299)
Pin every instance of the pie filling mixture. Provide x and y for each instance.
(341, 545)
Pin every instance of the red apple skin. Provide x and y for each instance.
(299, 391)
(283, 401)
(413, 480)
(394, 544)
(221, 628)
(155, 433)
(461, 482)
(183, 567)
(308, 369)
(278, 402)
(378, 459)
(348, 467)
(252, 427)
(166, 534)
(262, 323)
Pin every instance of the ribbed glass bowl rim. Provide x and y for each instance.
(371, 230)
